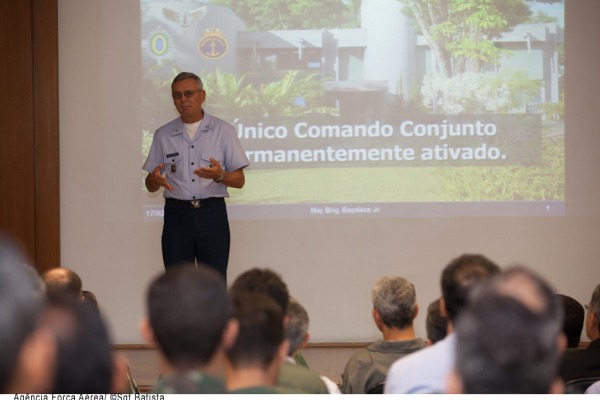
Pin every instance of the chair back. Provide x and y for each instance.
(580, 385)
(377, 389)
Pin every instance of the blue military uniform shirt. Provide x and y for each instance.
(181, 155)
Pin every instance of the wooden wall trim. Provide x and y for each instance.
(326, 359)
(29, 136)
(329, 345)
(16, 161)
(46, 133)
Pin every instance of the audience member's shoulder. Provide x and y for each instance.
(256, 390)
(295, 379)
(423, 371)
(428, 353)
(361, 358)
(189, 382)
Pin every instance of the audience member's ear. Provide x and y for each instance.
(416, 311)
(454, 383)
(120, 376)
(147, 332)
(286, 321)
(557, 386)
(34, 370)
(230, 333)
(562, 342)
(443, 312)
(282, 352)
(377, 319)
(591, 326)
(305, 340)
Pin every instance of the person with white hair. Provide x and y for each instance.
(394, 310)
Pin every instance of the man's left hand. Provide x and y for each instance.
(213, 172)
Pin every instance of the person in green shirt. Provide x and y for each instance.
(190, 319)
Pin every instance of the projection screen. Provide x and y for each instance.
(379, 145)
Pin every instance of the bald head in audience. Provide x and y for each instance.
(62, 281)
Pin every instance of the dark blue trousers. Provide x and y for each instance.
(196, 235)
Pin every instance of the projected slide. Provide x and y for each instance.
(372, 108)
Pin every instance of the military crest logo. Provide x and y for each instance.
(213, 45)
(158, 45)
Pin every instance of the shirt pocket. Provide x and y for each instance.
(172, 162)
(205, 159)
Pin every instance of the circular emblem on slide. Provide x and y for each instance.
(158, 45)
(212, 45)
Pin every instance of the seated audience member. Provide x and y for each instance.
(394, 310)
(62, 281)
(509, 338)
(84, 360)
(426, 371)
(27, 352)
(436, 325)
(265, 280)
(573, 321)
(294, 378)
(254, 361)
(189, 318)
(585, 363)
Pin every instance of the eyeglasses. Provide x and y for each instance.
(187, 94)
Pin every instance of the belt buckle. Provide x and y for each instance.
(196, 203)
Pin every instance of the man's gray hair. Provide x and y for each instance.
(182, 76)
(297, 325)
(395, 299)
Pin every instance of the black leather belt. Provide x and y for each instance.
(195, 203)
